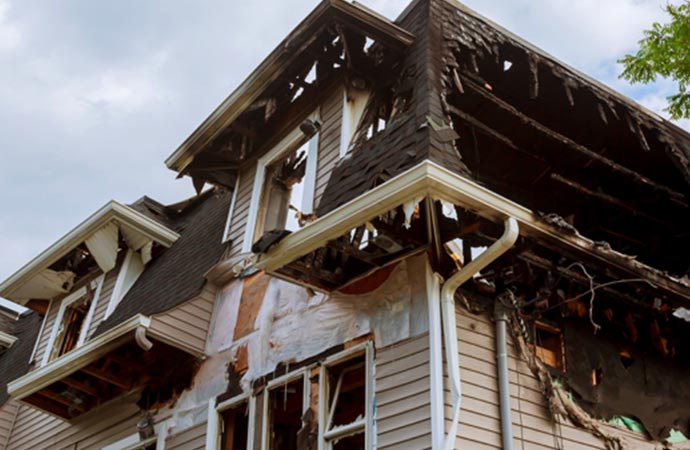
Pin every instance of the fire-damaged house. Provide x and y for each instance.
(420, 234)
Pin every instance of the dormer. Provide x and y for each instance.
(88, 351)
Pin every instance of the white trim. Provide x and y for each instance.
(74, 360)
(327, 437)
(275, 383)
(433, 291)
(351, 115)
(429, 179)
(92, 308)
(231, 211)
(310, 175)
(64, 303)
(6, 340)
(266, 160)
(130, 266)
(214, 427)
(112, 211)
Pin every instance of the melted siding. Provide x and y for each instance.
(329, 141)
(403, 411)
(191, 439)
(187, 324)
(479, 419)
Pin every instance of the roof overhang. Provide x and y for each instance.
(327, 13)
(37, 280)
(84, 378)
(430, 180)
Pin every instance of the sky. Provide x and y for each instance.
(94, 95)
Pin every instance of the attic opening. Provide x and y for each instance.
(555, 143)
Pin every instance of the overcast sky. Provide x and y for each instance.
(94, 95)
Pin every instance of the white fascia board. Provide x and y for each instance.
(6, 340)
(431, 180)
(76, 359)
(112, 211)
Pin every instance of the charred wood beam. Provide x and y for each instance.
(54, 396)
(603, 197)
(80, 386)
(351, 251)
(569, 143)
(582, 280)
(108, 378)
(490, 132)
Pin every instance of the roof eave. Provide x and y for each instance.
(111, 211)
(272, 67)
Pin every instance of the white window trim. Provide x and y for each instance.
(367, 349)
(231, 211)
(64, 303)
(269, 158)
(92, 309)
(277, 383)
(351, 116)
(215, 420)
(120, 289)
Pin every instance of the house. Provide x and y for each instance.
(422, 233)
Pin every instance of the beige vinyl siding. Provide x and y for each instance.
(191, 439)
(35, 430)
(187, 325)
(329, 141)
(49, 323)
(479, 426)
(8, 413)
(102, 301)
(403, 411)
(241, 212)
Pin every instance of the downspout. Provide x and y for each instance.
(501, 319)
(505, 242)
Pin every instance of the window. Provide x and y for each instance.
(346, 400)
(73, 320)
(230, 424)
(549, 345)
(283, 192)
(285, 401)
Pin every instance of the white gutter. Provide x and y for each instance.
(76, 359)
(505, 242)
(430, 179)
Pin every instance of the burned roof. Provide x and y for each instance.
(177, 274)
(14, 362)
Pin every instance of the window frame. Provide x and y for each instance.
(326, 441)
(74, 297)
(231, 210)
(132, 267)
(214, 429)
(273, 155)
(354, 107)
(277, 383)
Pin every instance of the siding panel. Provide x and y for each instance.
(187, 324)
(533, 426)
(103, 300)
(329, 142)
(403, 412)
(192, 439)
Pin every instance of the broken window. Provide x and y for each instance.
(549, 345)
(235, 427)
(283, 192)
(345, 400)
(284, 405)
(71, 323)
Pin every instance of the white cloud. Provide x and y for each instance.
(10, 34)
